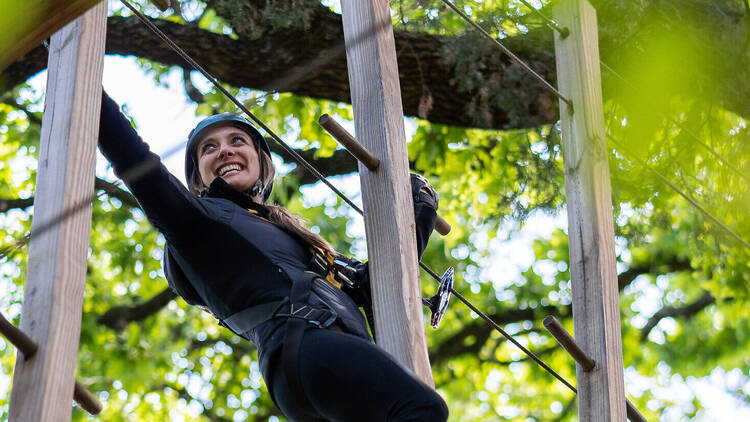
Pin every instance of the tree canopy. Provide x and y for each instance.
(486, 134)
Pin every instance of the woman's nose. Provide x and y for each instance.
(225, 152)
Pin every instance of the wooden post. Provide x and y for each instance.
(56, 273)
(596, 311)
(386, 193)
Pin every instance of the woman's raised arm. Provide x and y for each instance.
(167, 203)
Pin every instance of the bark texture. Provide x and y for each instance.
(457, 80)
(312, 63)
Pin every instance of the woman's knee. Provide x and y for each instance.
(438, 409)
(428, 407)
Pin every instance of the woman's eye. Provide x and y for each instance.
(206, 148)
(238, 140)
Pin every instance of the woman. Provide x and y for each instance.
(268, 278)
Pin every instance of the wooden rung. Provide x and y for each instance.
(86, 400)
(587, 364)
(28, 348)
(23, 343)
(163, 5)
(343, 137)
(566, 341)
(633, 414)
(347, 141)
(442, 226)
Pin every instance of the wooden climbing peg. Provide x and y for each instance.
(347, 140)
(28, 348)
(566, 341)
(163, 5)
(582, 358)
(343, 137)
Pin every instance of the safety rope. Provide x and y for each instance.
(318, 175)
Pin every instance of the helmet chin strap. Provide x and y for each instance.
(257, 188)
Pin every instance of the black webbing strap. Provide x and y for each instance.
(295, 330)
(244, 321)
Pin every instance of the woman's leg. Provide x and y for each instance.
(349, 379)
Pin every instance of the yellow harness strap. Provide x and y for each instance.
(256, 213)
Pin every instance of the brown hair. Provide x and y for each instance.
(278, 215)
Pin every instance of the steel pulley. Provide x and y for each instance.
(438, 304)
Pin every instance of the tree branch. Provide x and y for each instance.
(670, 265)
(278, 61)
(701, 303)
(190, 90)
(455, 345)
(110, 188)
(15, 203)
(115, 191)
(118, 317)
(31, 116)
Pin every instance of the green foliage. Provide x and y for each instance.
(251, 21)
(684, 278)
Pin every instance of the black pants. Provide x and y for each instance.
(349, 379)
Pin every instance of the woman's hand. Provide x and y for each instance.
(359, 274)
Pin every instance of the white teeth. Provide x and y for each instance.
(226, 169)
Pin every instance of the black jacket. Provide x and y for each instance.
(219, 254)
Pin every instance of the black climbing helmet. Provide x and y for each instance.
(225, 119)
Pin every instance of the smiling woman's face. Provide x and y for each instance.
(228, 152)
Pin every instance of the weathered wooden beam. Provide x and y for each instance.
(56, 274)
(26, 23)
(596, 311)
(386, 195)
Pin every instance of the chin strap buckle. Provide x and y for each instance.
(438, 304)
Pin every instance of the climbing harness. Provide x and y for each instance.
(331, 268)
